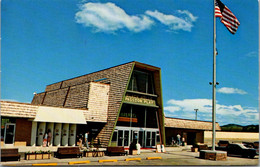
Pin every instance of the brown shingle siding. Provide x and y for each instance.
(38, 98)
(117, 77)
(53, 86)
(78, 96)
(189, 124)
(55, 98)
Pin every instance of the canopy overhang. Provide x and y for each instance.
(60, 115)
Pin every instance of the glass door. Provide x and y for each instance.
(9, 133)
(148, 139)
(126, 138)
(141, 137)
(153, 138)
(120, 137)
(134, 137)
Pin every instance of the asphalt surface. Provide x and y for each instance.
(170, 158)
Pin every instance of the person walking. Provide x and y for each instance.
(178, 139)
(86, 139)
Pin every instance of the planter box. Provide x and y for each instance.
(133, 152)
(20, 143)
(88, 154)
(94, 153)
(213, 155)
(33, 156)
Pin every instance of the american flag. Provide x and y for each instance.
(226, 16)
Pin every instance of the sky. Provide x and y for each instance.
(47, 41)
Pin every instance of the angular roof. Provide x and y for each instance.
(189, 124)
(117, 77)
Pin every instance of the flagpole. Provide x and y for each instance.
(214, 83)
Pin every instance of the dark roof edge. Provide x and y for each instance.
(93, 72)
(147, 65)
(107, 69)
(189, 119)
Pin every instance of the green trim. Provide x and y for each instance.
(129, 78)
(140, 104)
(140, 93)
(163, 127)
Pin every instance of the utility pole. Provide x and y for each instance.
(196, 113)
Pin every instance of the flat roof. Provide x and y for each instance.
(189, 124)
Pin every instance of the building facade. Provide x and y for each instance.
(135, 109)
(117, 106)
(192, 131)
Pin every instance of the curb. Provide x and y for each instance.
(46, 164)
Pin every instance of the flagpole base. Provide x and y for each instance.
(213, 155)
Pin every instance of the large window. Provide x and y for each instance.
(141, 82)
(137, 116)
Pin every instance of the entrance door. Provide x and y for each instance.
(126, 138)
(191, 138)
(148, 139)
(153, 138)
(9, 133)
(141, 137)
(134, 136)
(123, 137)
(120, 137)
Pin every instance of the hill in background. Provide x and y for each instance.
(239, 128)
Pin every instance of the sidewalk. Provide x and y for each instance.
(173, 156)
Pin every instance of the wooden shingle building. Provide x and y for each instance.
(116, 106)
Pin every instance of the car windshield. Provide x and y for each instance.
(242, 146)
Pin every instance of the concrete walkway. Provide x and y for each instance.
(174, 156)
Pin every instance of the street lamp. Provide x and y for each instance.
(196, 113)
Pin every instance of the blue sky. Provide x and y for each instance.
(46, 41)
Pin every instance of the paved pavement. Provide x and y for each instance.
(173, 157)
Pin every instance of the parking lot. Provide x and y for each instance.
(172, 158)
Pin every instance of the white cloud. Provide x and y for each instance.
(184, 22)
(189, 104)
(108, 17)
(172, 108)
(227, 90)
(225, 113)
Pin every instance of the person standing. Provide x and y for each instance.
(178, 139)
(45, 139)
(86, 139)
(49, 138)
(80, 142)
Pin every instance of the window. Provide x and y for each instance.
(137, 116)
(141, 82)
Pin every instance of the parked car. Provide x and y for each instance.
(256, 144)
(223, 143)
(240, 149)
(248, 144)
